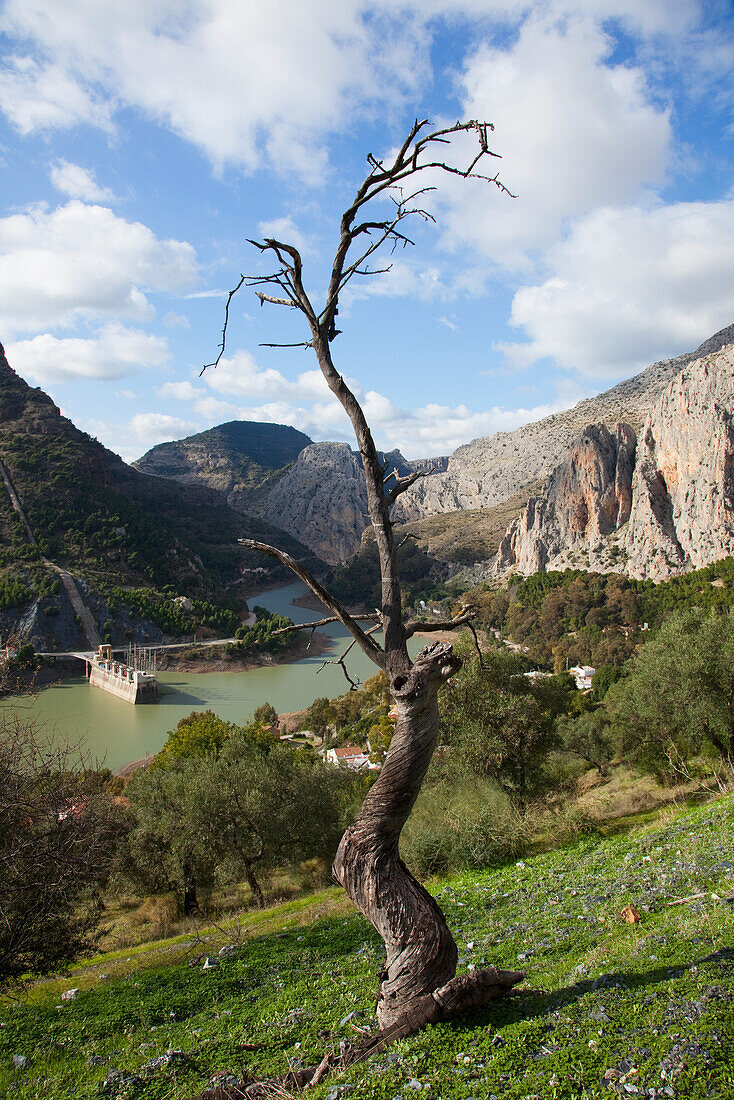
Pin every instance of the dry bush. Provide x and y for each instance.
(158, 912)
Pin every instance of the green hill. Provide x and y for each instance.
(609, 1008)
(242, 459)
(100, 518)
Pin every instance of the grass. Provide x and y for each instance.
(609, 1008)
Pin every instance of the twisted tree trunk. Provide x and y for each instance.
(418, 983)
(421, 953)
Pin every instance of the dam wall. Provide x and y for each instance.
(123, 681)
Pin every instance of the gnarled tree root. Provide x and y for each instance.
(460, 995)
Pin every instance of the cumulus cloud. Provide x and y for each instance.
(180, 391)
(285, 230)
(574, 132)
(629, 286)
(115, 353)
(41, 95)
(236, 80)
(307, 404)
(78, 183)
(80, 261)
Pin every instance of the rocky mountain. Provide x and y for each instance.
(241, 459)
(99, 518)
(488, 471)
(651, 507)
(315, 491)
(323, 500)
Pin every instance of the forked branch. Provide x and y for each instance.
(417, 626)
(367, 644)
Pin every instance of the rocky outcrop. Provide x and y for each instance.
(682, 514)
(241, 459)
(588, 496)
(486, 472)
(323, 497)
(654, 510)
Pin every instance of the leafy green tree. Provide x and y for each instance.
(197, 734)
(320, 716)
(678, 699)
(215, 817)
(501, 724)
(167, 850)
(203, 732)
(59, 830)
(589, 736)
(266, 715)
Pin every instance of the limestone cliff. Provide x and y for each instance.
(682, 514)
(488, 471)
(323, 497)
(587, 497)
(652, 510)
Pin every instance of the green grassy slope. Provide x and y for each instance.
(609, 1008)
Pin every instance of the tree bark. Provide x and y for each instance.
(421, 953)
(418, 983)
(255, 886)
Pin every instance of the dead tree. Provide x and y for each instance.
(418, 982)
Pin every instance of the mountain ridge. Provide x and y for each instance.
(490, 469)
(651, 505)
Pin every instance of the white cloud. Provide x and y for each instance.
(240, 375)
(116, 353)
(216, 411)
(42, 95)
(176, 320)
(630, 286)
(78, 183)
(236, 80)
(152, 427)
(180, 391)
(81, 261)
(285, 230)
(574, 131)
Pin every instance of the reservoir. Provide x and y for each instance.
(115, 733)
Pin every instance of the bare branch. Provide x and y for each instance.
(230, 296)
(298, 344)
(353, 684)
(275, 301)
(464, 618)
(373, 651)
(325, 622)
(403, 483)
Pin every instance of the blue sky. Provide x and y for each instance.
(142, 146)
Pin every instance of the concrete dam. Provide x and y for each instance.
(134, 685)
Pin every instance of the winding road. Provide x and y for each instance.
(85, 615)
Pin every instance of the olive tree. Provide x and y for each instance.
(59, 829)
(678, 699)
(418, 982)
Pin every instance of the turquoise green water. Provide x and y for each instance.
(115, 732)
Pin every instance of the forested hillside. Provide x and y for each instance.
(92, 513)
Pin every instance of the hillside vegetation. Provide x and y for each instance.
(609, 1008)
(596, 618)
(98, 517)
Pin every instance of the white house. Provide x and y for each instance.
(350, 756)
(583, 675)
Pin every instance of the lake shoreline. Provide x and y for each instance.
(201, 659)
